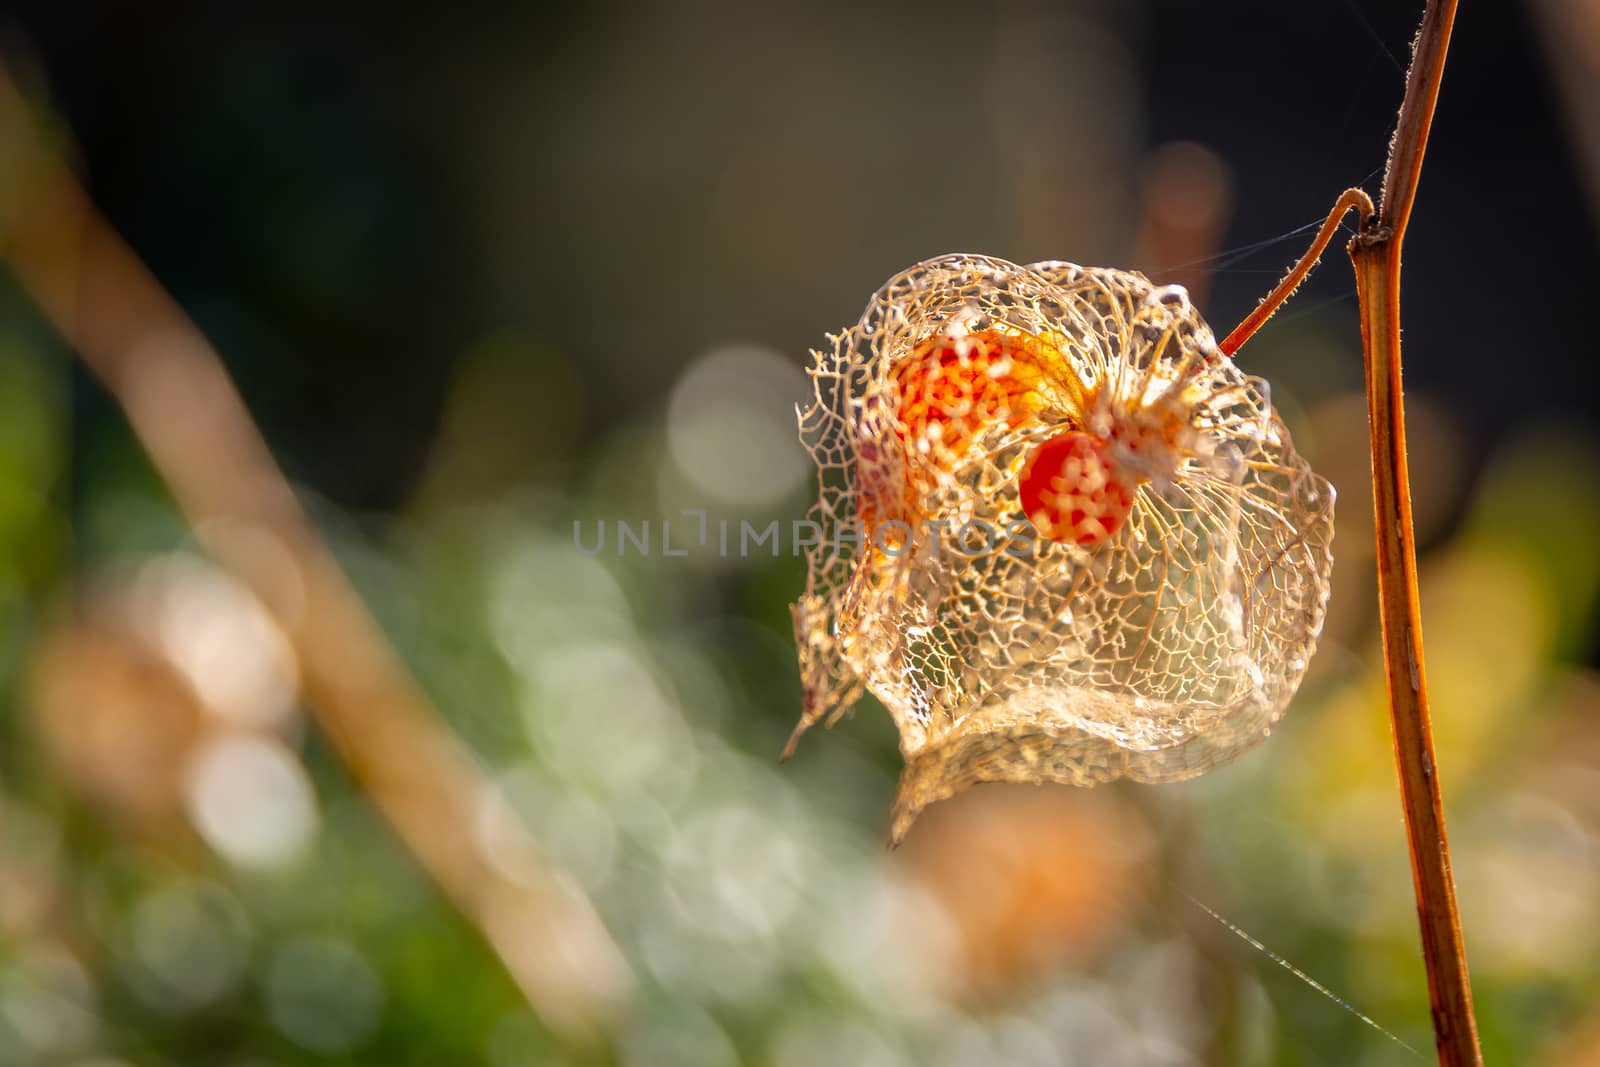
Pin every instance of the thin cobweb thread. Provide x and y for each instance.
(1361, 16)
(1302, 975)
(1222, 260)
(1227, 258)
(1317, 306)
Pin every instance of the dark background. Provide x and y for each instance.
(304, 170)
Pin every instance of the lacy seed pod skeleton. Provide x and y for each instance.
(1063, 539)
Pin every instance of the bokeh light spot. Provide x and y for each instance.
(323, 995)
(730, 425)
(251, 800)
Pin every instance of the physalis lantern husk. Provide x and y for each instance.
(1059, 535)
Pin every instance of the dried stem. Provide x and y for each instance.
(1376, 255)
(186, 412)
(1375, 251)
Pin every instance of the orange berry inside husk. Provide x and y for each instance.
(954, 387)
(1071, 491)
(949, 390)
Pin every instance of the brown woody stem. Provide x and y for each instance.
(1375, 253)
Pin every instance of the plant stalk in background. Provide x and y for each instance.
(184, 409)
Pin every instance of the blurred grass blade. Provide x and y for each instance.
(189, 417)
